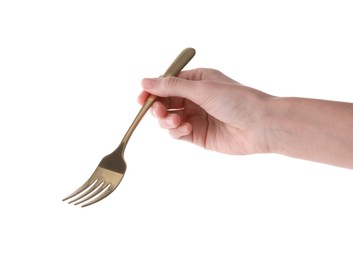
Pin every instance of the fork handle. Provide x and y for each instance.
(174, 69)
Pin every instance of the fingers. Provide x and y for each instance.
(196, 74)
(159, 110)
(171, 120)
(175, 87)
(200, 86)
(142, 97)
(170, 103)
(201, 74)
(205, 74)
(181, 131)
(196, 85)
(166, 120)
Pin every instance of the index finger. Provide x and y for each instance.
(204, 74)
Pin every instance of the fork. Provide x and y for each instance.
(111, 169)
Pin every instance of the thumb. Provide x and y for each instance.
(175, 87)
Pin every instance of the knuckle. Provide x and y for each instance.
(215, 73)
(170, 82)
(169, 86)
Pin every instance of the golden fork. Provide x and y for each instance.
(110, 171)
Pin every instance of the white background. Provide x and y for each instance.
(70, 73)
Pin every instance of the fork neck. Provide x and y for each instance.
(136, 121)
(121, 149)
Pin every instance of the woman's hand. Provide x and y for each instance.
(207, 108)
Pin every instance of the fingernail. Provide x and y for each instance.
(169, 121)
(185, 128)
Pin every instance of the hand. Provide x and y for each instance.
(207, 108)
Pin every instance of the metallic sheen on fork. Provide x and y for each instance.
(110, 171)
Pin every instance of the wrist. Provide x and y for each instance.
(275, 124)
(266, 121)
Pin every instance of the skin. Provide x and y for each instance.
(209, 109)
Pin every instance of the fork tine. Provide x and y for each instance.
(102, 186)
(104, 194)
(88, 190)
(82, 188)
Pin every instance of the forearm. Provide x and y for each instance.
(310, 129)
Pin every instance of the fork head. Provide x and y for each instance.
(104, 180)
